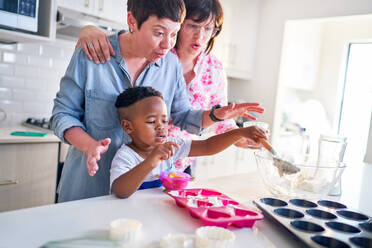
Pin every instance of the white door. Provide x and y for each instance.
(356, 106)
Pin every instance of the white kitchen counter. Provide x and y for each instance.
(160, 215)
(91, 217)
(5, 136)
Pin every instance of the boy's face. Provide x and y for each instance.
(149, 123)
(157, 37)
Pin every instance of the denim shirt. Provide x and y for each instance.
(86, 99)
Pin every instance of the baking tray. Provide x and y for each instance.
(320, 223)
(215, 208)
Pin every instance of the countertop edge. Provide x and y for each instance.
(6, 138)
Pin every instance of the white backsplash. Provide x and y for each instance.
(29, 78)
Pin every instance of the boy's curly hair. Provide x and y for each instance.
(135, 94)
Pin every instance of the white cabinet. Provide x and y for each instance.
(28, 174)
(115, 10)
(83, 6)
(300, 54)
(111, 10)
(233, 160)
(236, 44)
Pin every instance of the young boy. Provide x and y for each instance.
(143, 115)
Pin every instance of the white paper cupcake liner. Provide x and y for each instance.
(177, 241)
(214, 237)
(125, 230)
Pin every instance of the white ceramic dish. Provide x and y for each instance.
(177, 241)
(125, 231)
(214, 237)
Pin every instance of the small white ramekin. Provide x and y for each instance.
(214, 237)
(176, 241)
(125, 231)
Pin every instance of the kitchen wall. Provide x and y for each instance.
(273, 15)
(29, 78)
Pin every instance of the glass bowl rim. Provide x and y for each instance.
(269, 156)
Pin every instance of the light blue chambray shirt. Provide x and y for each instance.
(87, 98)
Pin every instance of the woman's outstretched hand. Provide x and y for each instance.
(94, 154)
(95, 44)
(234, 110)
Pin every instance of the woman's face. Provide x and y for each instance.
(193, 37)
(156, 37)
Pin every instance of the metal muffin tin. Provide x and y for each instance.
(321, 223)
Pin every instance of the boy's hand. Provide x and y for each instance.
(254, 133)
(248, 143)
(234, 110)
(94, 154)
(162, 152)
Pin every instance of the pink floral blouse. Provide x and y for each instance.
(208, 88)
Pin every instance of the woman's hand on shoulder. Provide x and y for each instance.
(95, 44)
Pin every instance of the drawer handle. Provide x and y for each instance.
(8, 182)
(101, 5)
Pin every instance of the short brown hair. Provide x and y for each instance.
(201, 10)
(143, 9)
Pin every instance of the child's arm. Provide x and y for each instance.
(125, 185)
(220, 142)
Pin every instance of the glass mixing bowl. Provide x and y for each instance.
(314, 180)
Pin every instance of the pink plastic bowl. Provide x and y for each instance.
(174, 183)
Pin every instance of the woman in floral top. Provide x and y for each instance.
(207, 88)
(203, 73)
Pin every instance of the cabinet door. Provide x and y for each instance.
(236, 45)
(203, 167)
(84, 6)
(300, 54)
(28, 175)
(245, 160)
(113, 10)
(233, 160)
(218, 165)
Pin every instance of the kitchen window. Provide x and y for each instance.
(356, 104)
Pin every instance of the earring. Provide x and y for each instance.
(130, 30)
